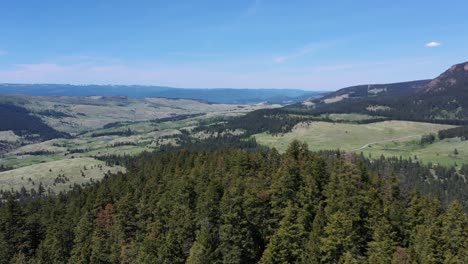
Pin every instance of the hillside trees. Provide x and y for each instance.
(237, 206)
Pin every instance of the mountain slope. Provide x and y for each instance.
(374, 90)
(443, 99)
(22, 122)
(453, 82)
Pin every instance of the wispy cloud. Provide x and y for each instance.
(305, 50)
(253, 8)
(433, 44)
(230, 72)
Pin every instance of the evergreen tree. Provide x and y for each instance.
(338, 238)
(312, 252)
(236, 237)
(81, 251)
(382, 246)
(286, 245)
(13, 229)
(454, 235)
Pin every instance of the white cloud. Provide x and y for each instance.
(433, 44)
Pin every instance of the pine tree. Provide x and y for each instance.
(394, 209)
(425, 242)
(347, 212)
(203, 249)
(401, 256)
(82, 244)
(286, 245)
(454, 235)
(14, 229)
(312, 252)
(338, 238)
(382, 246)
(236, 236)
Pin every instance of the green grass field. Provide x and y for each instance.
(388, 138)
(440, 152)
(353, 117)
(77, 171)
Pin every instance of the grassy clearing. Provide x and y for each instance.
(47, 174)
(26, 160)
(440, 152)
(353, 117)
(389, 138)
(9, 136)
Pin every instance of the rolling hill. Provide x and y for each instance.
(221, 95)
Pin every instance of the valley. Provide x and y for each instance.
(99, 127)
(75, 130)
(388, 138)
(233, 132)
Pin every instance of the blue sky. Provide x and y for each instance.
(314, 45)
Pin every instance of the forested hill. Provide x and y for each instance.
(375, 90)
(23, 122)
(444, 99)
(234, 206)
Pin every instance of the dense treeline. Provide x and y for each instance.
(436, 109)
(5, 168)
(53, 113)
(236, 206)
(274, 121)
(176, 118)
(123, 133)
(23, 123)
(445, 183)
(185, 141)
(461, 132)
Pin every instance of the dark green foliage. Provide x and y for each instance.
(53, 113)
(266, 120)
(176, 118)
(443, 100)
(124, 133)
(236, 206)
(5, 168)
(22, 122)
(461, 132)
(391, 89)
(427, 139)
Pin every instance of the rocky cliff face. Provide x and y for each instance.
(454, 80)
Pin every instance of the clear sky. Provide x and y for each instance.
(314, 45)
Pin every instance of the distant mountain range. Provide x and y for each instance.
(221, 95)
